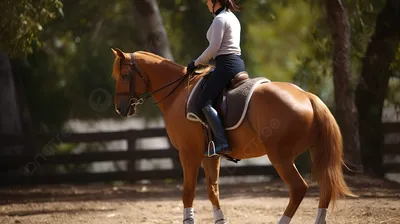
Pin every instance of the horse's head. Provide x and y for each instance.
(130, 83)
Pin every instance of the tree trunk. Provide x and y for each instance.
(373, 84)
(10, 120)
(150, 27)
(346, 112)
(20, 67)
(197, 19)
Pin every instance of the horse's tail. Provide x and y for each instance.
(327, 153)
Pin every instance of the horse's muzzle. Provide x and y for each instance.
(126, 110)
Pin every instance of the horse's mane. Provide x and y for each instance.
(202, 69)
(117, 64)
(160, 58)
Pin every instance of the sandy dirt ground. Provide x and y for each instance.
(379, 202)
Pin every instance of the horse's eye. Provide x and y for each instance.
(124, 77)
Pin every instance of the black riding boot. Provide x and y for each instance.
(218, 130)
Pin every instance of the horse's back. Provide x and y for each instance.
(286, 93)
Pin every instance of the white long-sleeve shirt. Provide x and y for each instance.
(223, 37)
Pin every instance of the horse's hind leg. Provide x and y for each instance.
(297, 188)
(211, 169)
(190, 165)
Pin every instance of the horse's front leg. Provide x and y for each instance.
(190, 162)
(211, 169)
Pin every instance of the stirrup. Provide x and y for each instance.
(211, 147)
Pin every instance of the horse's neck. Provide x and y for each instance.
(161, 73)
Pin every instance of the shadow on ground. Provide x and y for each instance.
(363, 186)
(46, 212)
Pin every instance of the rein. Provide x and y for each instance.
(134, 99)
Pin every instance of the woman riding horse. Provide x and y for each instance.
(283, 121)
(224, 45)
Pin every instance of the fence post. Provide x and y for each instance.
(131, 166)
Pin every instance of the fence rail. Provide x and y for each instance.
(85, 157)
(391, 127)
(48, 156)
(391, 149)
(68, 137)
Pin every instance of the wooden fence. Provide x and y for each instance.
(35, 167)
(391, 149)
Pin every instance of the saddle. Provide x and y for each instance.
(231, 105)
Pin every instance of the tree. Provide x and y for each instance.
(373, 85)
(10, 120)
(151, 28)
(346, 112)
(21, 22)
(71, 71)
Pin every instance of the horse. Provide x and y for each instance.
(300, 121)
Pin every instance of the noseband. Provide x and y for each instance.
(133, 99)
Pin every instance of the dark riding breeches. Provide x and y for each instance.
(227, 66)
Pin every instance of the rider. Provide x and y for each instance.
(224, 45)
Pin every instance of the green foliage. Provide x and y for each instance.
(362, 15)
(186, 22)
(396, 63)
(72, 70)
(275, 42)
(21, 22)
(69, 76)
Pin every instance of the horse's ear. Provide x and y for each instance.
(114, 52)
(120, 53)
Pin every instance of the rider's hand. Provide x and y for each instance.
(190, 67)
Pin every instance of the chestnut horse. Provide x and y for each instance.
(282, 121)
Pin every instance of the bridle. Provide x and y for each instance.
(133, 98)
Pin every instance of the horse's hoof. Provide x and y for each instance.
(221, 221)
(188, 221)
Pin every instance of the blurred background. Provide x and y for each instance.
(57, 118)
